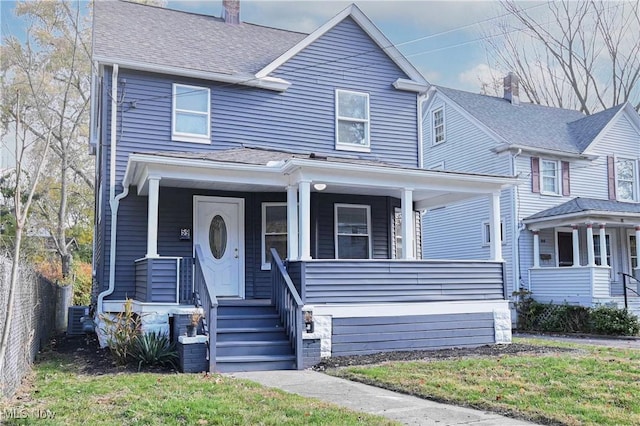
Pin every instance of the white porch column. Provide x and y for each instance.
(536, 248)
(494, 221)
(292, 222)
(576, 245)
(152, 216)
(408, 224)
(603, 246)
(304, 189)
(591, 258)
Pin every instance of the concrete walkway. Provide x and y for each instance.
(405, 409)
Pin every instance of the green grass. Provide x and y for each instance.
(593, 386)
(165, 399)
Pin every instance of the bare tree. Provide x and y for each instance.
(23, 188)
(579, 55)
(51, 67)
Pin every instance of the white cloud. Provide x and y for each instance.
(474, 78)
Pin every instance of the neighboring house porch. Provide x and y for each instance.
(224, 220)
(585, 252)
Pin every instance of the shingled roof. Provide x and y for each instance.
(586, 205)
(153, 35)
(532, 125)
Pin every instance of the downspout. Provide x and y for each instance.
(114, 201)
(516, 225)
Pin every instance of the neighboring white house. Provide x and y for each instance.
(579, 195)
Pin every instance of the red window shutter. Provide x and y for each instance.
(566, 183)
(535, 174)
(611, 170)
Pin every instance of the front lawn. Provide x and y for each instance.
(62, 392)
(589, 386)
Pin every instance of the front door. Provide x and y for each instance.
(219, 231)
(565, 248)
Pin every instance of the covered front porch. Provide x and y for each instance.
(310, 234)
(585, 252)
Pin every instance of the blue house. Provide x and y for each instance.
(263, 175)
(569, 230)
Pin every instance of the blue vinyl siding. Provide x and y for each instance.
(132, 234)
(358, 336)
(301, 119)
(397, 281)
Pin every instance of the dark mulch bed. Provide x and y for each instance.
(434, 355)
(87, 357)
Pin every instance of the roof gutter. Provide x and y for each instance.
(269, 83)
(522, 148)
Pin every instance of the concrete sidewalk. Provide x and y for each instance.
(403, 408)
(619, 342)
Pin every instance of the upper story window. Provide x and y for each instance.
(191, 116)
(353, 231)
(352, 121)
(549, 177)
(626, 178)
(438, 126)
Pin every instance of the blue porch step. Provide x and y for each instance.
(251, 337)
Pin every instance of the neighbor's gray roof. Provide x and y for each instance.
(583, 205)
(159, 36)
(532, 125)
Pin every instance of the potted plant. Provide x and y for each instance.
(192, 328)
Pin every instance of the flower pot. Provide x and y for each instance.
(192, 330)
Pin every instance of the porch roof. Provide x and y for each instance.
(585, 209)
(262, 170)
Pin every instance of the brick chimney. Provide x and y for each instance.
(231, 12)
(511, 88)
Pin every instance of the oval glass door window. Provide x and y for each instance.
(218, 237)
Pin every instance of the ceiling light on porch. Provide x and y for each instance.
(319, 186)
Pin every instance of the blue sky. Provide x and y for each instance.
(448, 53)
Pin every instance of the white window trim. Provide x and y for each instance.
(267, 266)
(190, 137)
(596, 246)
(630, 255)
(635, 179)
(335, 226)
(341, 146)
(433, 126)
(556, 231)
(557, 192)
(485, 234)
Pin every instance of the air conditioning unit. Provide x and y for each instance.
(75, 323)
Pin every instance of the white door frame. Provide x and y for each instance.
(241, 251)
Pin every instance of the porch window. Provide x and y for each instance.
(274, 231)
(352, 231)
(438, 126)
(191, 117)
(633, 257)
(549, 181)
(486, 233)
(596, 249)
(397, 249)
(352, 121)
(626, 179)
